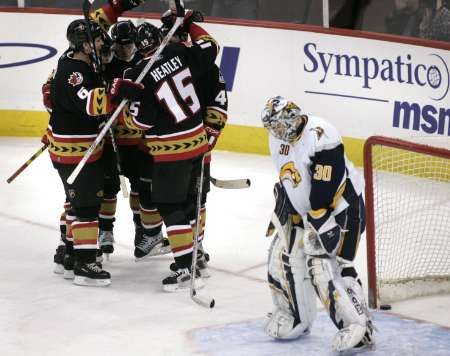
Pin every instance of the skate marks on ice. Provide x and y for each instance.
(396, 336)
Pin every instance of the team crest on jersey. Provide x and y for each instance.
(319, 131)
(75, 79)
(290, 173)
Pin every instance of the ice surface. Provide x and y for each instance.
(43, 314)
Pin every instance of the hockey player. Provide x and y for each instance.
(213, 98)
(149, 239)
(78, 97)
(170, 112)
(318, 186)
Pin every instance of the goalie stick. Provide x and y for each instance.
(98, 68)
(165, 41)
(231, 183)
(26, 164)
(202, 300)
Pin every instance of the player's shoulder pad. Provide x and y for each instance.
(322, 134)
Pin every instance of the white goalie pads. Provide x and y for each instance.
(292, 292)
(342, 299)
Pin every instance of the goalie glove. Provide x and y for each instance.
(327, 230)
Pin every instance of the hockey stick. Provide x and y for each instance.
(203, 301)
(165, 41)
(231, 183)
(98, 64)
(27, 163)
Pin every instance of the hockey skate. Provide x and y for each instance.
(139, 232)
(91, 274)
(151, 246)
(58, 258)
(202, 264)
(350, 337)
(69, 261)
(180, 280)
(106, 241)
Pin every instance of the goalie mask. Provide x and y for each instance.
(148, 38)
(283, 119)
(77, 33)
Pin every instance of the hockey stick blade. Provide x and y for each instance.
(203, 301)
(231, 183)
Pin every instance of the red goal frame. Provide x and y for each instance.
(369, 194)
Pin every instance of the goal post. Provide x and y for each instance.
(408, 219)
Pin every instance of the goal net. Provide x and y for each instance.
(408, 219)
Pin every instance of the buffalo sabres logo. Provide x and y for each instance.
(75, 79)
(290, 173)
(319, 131)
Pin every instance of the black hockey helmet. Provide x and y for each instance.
(77, 33)
(124, 32)
(148, 37)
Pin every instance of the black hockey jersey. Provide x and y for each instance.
(213, 100)
(124, 135)
(78, 97)
(171, 111)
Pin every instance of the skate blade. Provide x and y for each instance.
(89, 282)
(182, 287)
(204, 273)
(58, 269)
(156, 251)
(68, 274)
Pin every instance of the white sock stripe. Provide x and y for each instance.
(103, 216)
(178, 227)
(151, 226)
(85, 247)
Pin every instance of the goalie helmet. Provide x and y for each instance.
(283, 119)
(77, 33)
(148, 38)
(123, 32)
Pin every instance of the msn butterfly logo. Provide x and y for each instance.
(75, 79)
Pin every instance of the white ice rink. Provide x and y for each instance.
(43, 314)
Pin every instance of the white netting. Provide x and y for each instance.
(412, 223)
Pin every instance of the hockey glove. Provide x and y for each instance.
(169, 17)
(212, 135)
(44, 139)
(125, 89)
(327, 230)
(283, 206)
(46, 96)
(124, 5)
